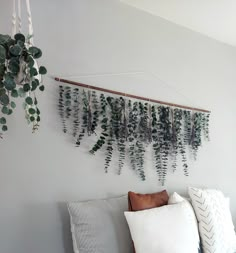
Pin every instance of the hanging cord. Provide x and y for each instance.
(13, 32)
(19, 17)
(31, 31)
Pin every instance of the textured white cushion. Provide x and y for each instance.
(215, 222)
(99, 226)
(166, 229)
(176, 198)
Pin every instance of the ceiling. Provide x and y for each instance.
(214, 18)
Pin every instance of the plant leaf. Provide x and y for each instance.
(13, 104)
(41, 87)
(3, 120)
(4, 128)
(4, 99)
(32, 111)
(2, 54)
(35, 52)
(29, 100)
(20, 37)
(15, 50)
(9, 82)
(42, 70)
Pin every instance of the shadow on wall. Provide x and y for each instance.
(66, 232)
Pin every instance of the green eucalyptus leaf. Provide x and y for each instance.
(10, 111)
(30, 61)
(14, 65)
(37, 81)
(33, 72)
(5, 110)
(14, 93)
(29, 100)
(3, 121)
(26, 87)
(42, 70)
(35, 101)
(9, 82)
(4, 128)
(19, 37)
(2, 54)
(4, 39)
(21, 44)
(4, 99)
(2, 91)
(35, 52)
(2, 70)
(38, 118)
(13, 104)
(15, 50)
(34, 85)
(42, 87)
(32, 118)
(32, 111)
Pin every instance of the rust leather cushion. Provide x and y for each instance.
(138, 202)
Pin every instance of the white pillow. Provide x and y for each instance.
(166, 229)
(215, 223)
(100, 226)
(176, 198)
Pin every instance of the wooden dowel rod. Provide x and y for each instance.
(129, 95)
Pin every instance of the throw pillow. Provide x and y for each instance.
(175, 198)
(215, 223)
(100, 226)
(166, 229)
(138, 202)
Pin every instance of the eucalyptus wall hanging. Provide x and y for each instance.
(20, 75)
(126, 127)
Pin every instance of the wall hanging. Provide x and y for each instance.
(20, 75)
(127, 127)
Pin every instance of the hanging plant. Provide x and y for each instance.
(84, 125)
(61, 107)
(95, 114)
(156, 141)
(129, 127)
(205, 126)
(132, 135)
(196, 138)
(19, 77)
(76, 111)
(123, 134)
(104, 125)
(165, 140)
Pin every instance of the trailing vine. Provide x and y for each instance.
(76, 110)
(132, 125)
(196, 138)
(122, 134)
(156, 141)
(61, 106)
(129, 127)
(20, 77)
(84, 119)
(165, 140)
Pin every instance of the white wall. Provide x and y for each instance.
(40, 172)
